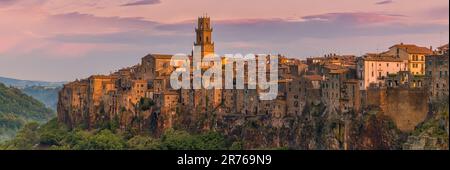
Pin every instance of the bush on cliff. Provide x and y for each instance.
(145, 104)
(212, 141)
(144, 143)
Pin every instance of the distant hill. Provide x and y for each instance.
(28, 83)
(45, 92)
(46, 95)
(17, 108)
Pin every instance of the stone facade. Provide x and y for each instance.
(405, 106)
(342, 84)
(437, 76)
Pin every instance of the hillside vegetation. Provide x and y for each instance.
(54, 136)
(17, 109)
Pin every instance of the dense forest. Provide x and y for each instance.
(54, 136)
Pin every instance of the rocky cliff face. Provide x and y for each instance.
(433, 133)
(310, 131)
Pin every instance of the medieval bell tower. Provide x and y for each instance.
(204, 36)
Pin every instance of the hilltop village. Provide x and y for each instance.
(322, 102)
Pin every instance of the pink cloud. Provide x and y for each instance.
(31, 28)
(142, 2)
(385, 2)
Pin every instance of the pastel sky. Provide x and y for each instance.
(61, 40)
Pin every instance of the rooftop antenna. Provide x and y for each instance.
(378, 50)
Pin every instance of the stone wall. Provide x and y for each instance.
(407, 107)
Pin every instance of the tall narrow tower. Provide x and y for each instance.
(204, 36)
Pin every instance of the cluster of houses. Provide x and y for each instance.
(340, 82)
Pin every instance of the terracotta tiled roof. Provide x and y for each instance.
(102, 77)
(159, 56)
(444, 46)
(381, 57)
(413, 49)
(332, 66)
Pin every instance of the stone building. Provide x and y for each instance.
(332, 88)
(437, 76)
(204, 36)
(337, 82)
(442, 50)
(350, 99)
(414, 54)
(375, 68)
(405, 79)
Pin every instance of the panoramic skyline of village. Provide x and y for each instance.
(322, 75)
(62, 41)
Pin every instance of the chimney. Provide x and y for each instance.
(431, 48)
(401, 43)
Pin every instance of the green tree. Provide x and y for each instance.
(103, 140)
(144, 143)
(211, 141)
(26, 138)
(52, 133)
(177, 140)
(237, 145)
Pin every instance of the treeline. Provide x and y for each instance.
(53, 136)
